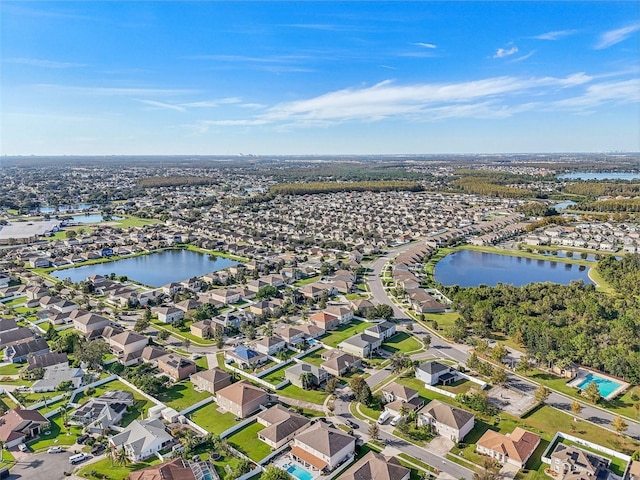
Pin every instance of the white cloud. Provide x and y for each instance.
(617, 92)
(555, 35)
(113, 91)
(37, 62)
(612, 37)
(502, 52)
(425, 45)
(212, 103)
(167, 106)
(524, 57)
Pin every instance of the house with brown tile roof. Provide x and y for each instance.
(281, 425)
(514, 448)
(176, 367)
(241, 398)
(18, 426)
(450, 422)
(322, 447)
(337, 362)
(211, 380)
(325, 320)
(374, 466)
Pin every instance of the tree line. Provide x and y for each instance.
(159, 181)
(334, 187)
(558, 324)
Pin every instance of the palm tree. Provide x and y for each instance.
(306, 378)
(121, 457)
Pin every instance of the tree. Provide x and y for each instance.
(360, 389)
(499, 376)
(267, 292)
(121, 457)
(384, 311)
(242, 467)
(399, 361)
(163, 334)
(92, 353)
(524, 364)
(186, 343)
(142, 323)
(491, 470)
(592, 392)
(331, 385)
(473, 361)
(272, 472)
(576, 408)
(374, 430)
(426, 340)
(541, 394)
(619, 425)
(499, 352)
(306, 379)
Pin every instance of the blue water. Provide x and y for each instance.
(64, 208)
(155, 269)
(469, 268)
(91, 218)
(299, 472)
(605, 385)
(564, 204)
(600, 176)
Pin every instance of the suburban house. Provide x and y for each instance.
(103, 412)
(449, 422)
(176, 367)
(433, 372)
(127, 346)
(18, 426)
(246, 357)
(270, 345)
(88, 322)
(176, 469)
(322, 447)
(423, 302)
(344, 314)
(361, 345)
(168, 314)
(211, 380)
(281, 425)
(398, 398)
(19, 352)
(142, 439)
(13, 337)
(151, 354)
(46, 360)
(325, 320)
(241, 398)
(375, 466)
(203, 328)
(337, 362)
(382, 330)
(310, 330)
(569, 462)
(7, 324)
(291, 335)
(514, 448)
(224, 296)
(362, 306)
(55, 375)
(314, 375)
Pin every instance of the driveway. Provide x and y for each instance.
(41, 466)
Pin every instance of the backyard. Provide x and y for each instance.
(314, 357)
(343, 332)
(246, 440)
(181, 395)
(106, 469)
(56, 434)
(209, 418)
(402, 342)
(277, 375)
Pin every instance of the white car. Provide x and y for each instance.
(23, 448)
(54, 450)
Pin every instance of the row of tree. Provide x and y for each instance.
(333, 187)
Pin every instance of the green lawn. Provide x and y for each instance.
(343, 332)
(313, 396)
(31, 398)
(6, 459)
(131, 221)
(402, 342)
(6, 403)
(182, 332)
(307, 281)
(246, 440)
(105, 469)
(11, 369)
(202, 363)
(461, 386)
(57, 435)
(314, 357)
(137, 411)
(443, 320)
(624, 404)
(211, 420)
(15, 301)
(617, 465)
(276, 376)
(356, 296)
(181, 395)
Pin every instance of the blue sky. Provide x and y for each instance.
(97, 77)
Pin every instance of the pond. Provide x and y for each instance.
(600, 176)
(155, 269)
(65, 208)
(90, 218)
(468, 268)
(564, 204)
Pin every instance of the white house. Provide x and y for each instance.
(142, 439)
(322, 447)
(449, 422)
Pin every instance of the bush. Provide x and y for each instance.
(90, 391)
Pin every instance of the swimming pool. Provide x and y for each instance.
(299, 472)
(605, 385)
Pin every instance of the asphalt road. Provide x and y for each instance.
(41, 466)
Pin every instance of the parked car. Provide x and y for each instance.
(54, 450)
(352, 424)
(98, 449)
(77, 458)
(23, 448)
(82, 439)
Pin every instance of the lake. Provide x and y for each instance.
(155, 269)
(90, 218)
(65, 208)
(600, 176)
(469, 268)
(564, 204)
